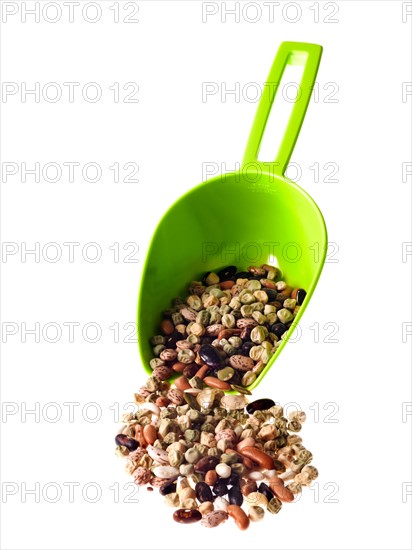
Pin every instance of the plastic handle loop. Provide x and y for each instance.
(292, 53)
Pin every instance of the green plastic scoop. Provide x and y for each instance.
(249, 217)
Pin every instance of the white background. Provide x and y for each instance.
(354, 390)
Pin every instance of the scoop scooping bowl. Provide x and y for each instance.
(250, 217)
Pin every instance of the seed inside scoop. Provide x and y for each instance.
(227, 329)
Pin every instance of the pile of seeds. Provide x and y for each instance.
(227, 330)
(213, 455)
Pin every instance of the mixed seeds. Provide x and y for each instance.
(227, 329)
(214, 456)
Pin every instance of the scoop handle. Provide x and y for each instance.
(292, 53)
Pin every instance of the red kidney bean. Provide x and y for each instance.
(150, 433)
(277, 486)
(261, 458)
(178, 367)
(240, 517)
(182, 383)
(211, 477)
(167, 327)
(206, 463)
(216, 383)
(201, 373)
(187, 516)
(126, 441)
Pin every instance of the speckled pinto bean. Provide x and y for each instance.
(215, 518)
(240, 517)
(261, 458)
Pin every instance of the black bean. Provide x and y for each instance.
(246, 347)
(168, 488)
(205, 276)
(172, 339)
(235, 495)
(203, 492)
(233, 479)
(220, 488)
(259, 405)
(126, 441)
(227, 273)
(265, 490)
(167, 313)
(236, 379)
(300, 296)
(272, 294)
(210, 355)
(278, 329)
(244, 275)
